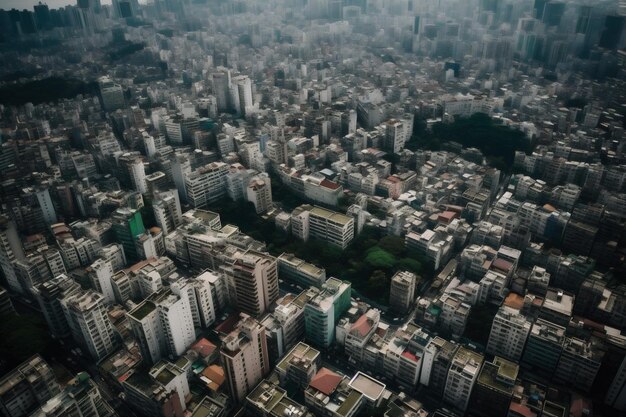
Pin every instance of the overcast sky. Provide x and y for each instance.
(28, 4)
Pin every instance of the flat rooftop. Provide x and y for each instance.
(367, 385)
(142, 310)
(331, 215)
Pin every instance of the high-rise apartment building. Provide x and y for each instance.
(579, 364)
(27, 387)
(323, 309)
(138, 175)
(206, 185)
(509, 331)
(402, 291)
(127, 225)
(493, 390)
(463, 374)
(163, 325)
(50, 296)
(253, 279)
(111, 94)
(80, 397)
(244, 357)
(331, 227)
(300, 272)
(167, 211)
(100, 274)
(543, 348)
(259, 193)
(10, 251)
(89, 324)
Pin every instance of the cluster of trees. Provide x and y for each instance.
(496, 141)
(45, 90)
(126, 49)
(368, 263)
(22, 337)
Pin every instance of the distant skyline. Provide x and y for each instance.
(28, 4)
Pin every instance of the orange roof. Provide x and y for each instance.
(325, 381)
(362, 325)
(204, 347)
(522, 410)
(216, 374)
(515, 301)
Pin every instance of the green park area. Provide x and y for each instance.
(496, 141)
(368, 263)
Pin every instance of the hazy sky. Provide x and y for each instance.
(28, 4)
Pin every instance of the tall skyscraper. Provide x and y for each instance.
(463, 373)
(111, 94)
(509, 331)
(10, 251)
(402, 292)
(127, 225)
(50, 296)
(244, 357)
(253, 279)
(89, 324)
(163, 325)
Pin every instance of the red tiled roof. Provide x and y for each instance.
(522, 410)
(329, 184)
(204, 347)
(448, 215)
(362, 325)
(409, 355)
(228, 325)
(325, 381)
(502, 264)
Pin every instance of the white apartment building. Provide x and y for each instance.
(90, 326)
(259, 193)
(462, 375)
(509, 331)
(332, 227)
(100, 273)
(244, 357)
(163, 325)
(402, 291)
(252, 281)
(207, 184)
(167, 211)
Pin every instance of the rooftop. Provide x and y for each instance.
(368, 386)
(142, 310)
(325, 381)
(331, 215)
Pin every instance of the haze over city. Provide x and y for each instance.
(301, 208)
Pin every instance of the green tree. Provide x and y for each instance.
(393, 245)
(409, 264)
(380, 258)
(22, 337)
(377, 284)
